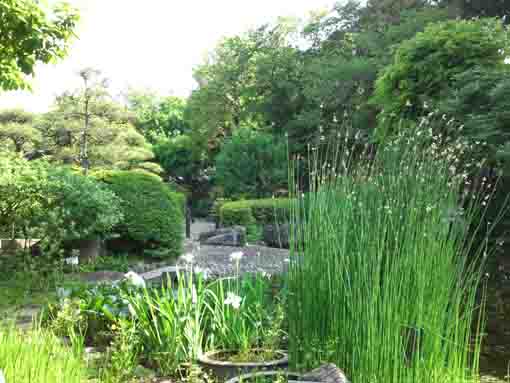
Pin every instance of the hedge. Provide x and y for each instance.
(153, 213)
(255, 212)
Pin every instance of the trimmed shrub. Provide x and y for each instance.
(153, 214)
(251, 212)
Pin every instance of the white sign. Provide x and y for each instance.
(2, 377)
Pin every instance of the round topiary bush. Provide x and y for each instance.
(153, 213)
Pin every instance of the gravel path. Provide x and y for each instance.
(215, 260)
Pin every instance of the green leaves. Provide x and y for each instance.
(424, 67)
(252, 164)
(29, 34)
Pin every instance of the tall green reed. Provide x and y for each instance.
(380, 281)
(38, 357)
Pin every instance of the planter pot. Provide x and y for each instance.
(224, 369)
(268, 375)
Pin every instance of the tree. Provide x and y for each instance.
(178, 159)
(88, 128)
(252, 164)
(31, 34)
(157, 117)
(18, 131)
(425, 67)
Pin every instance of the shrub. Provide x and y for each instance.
(252, 164)
(153, 214)
(79, 207)
(250, 212)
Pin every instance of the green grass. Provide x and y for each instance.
(37, 357)
(380, 280)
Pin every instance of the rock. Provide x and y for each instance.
(327, 373)
(276, 235)
(230, 236)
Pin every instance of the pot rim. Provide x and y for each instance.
(251, 375)
(208, 358)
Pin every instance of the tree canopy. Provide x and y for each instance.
(29, 34)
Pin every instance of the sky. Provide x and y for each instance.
(149, 44)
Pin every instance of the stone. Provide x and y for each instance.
(276, 235)
(327, 373)
(230, 236)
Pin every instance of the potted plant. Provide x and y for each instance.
(246, 326)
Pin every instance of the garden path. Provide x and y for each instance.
(216, 262)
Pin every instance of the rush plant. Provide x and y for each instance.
(385, 273)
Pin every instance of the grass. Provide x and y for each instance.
(37, 357)
(381, 283)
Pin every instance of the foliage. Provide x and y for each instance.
(17, 130)
(88, 311)
(252, 164)
(153, 214)
(241, 314)
(158, 117)
(32, 34)
(424, 67)
(168, 340)
(261, 211)
(177, 157)
(480, 100)
(88, 128)
(79, 207)
(22, 186)
(38, 357)
(122, 355)
(247, 79)
(400, 302)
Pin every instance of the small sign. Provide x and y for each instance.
(2, 377)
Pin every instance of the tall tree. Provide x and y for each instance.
(87, 127)
(30, 34)
(157, 117)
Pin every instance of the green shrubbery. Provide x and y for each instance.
(252, 164)
(255, 212)
(80, 207)
(153, 214)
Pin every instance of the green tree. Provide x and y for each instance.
(425, 67)
(30, 34)
(157, 117)
(252, 164)
(251, 79)
(87, 128)
(18, 131)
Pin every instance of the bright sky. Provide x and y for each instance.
(150, 44)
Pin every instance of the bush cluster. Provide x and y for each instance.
(153, 213)
(255, 212)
